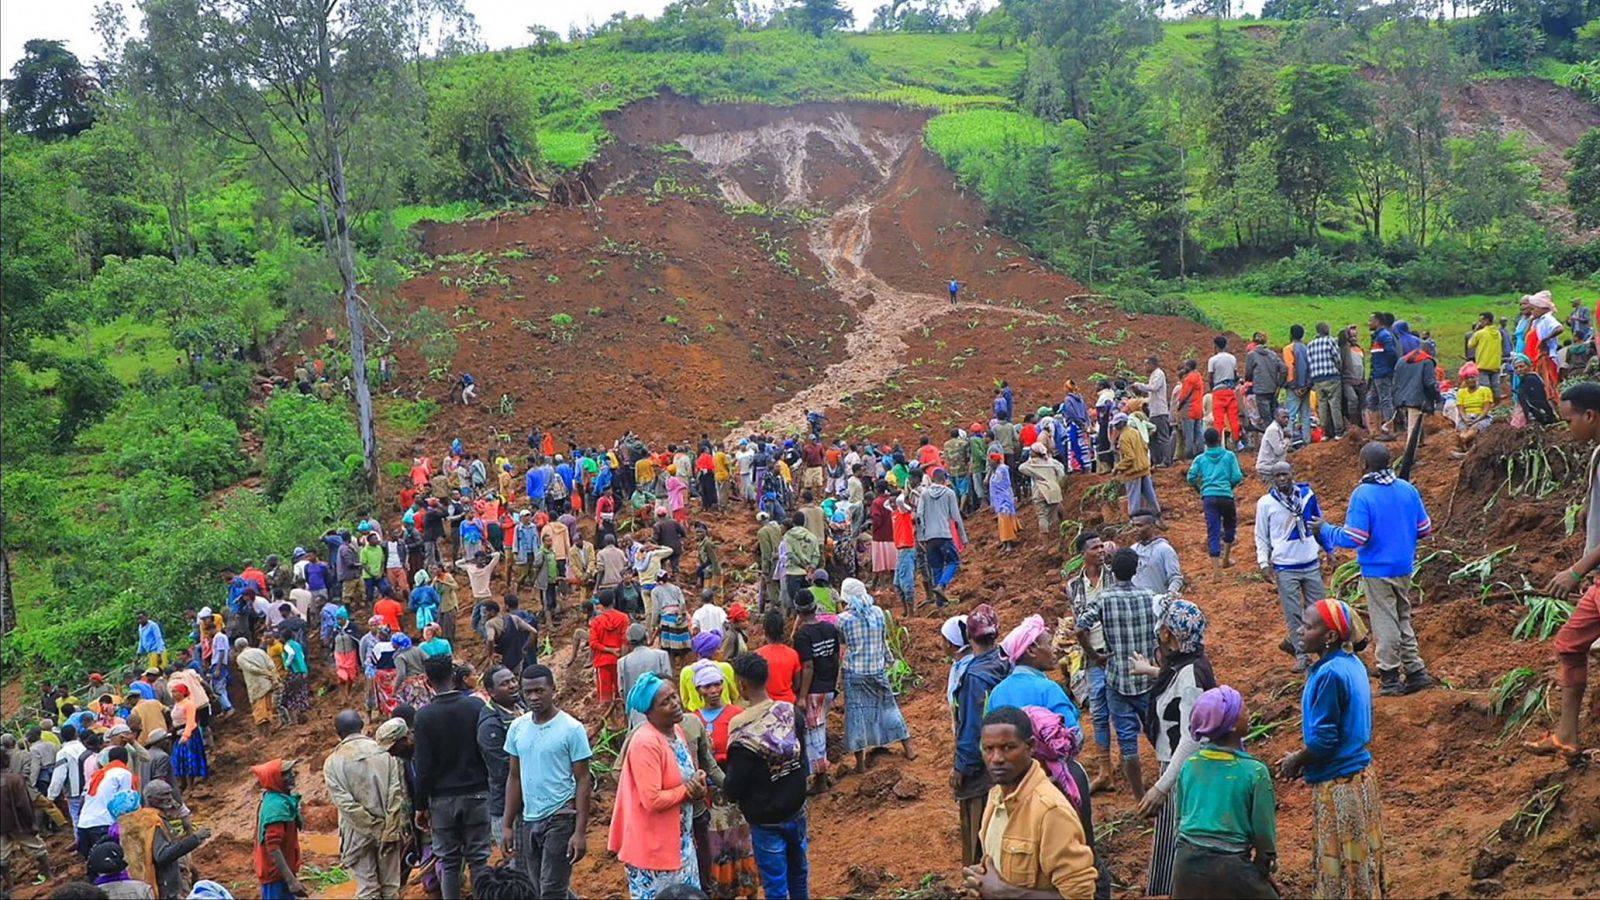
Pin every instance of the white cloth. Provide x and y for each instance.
(710, 617)
(96, 811)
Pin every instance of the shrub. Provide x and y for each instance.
(1134, 300)
(301, 436)
(1578, 260)
(177, 432)
(86, 391)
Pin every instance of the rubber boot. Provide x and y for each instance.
(1105, 774)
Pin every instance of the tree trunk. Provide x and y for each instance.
(8, 605)
(344, 253)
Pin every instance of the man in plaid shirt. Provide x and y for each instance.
(1327, 379)
(1129, 618)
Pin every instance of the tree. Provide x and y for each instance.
(1318, 111)
(49, 95)
(1239, 112)
(1083, 37)
(1493, 181)
(480, 130)
(818, 17)
(1583, 182)
(1378, 146)
(1419, 70)
(305, 85)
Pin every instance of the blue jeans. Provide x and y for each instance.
(1127, 717)
(1098, 710)
(944, 561)
(1142, 496)
(1222, 523)
(781, 856)
(1194, 436)
(1299, 415)
(905, 572)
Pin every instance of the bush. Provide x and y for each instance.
(1578, 260)
(301, 436)
(86, 391)
(481, 136)
(177, 432)
(1134, 300)
(1310, 271)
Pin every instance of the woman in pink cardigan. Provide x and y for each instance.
(651, 828)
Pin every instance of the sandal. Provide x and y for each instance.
(1550, 745)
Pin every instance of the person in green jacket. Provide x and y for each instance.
(978, 464)
(372, 558)
(1227, 812)
(1214, 474)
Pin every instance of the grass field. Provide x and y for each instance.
(126, 345)
(1447, 317)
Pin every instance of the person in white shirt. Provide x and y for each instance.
(1289, 551)
(745, 461)
(1274, 443)
(95, 818)
(710, 616)
(67, 778)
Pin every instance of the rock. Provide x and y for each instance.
(1488, 888)
(906, 789)
(1490, 862)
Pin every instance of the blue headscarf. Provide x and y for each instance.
(401, 641)
(645, 690)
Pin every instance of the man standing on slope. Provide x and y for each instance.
(1160, 411)
(1580, 406)
(1222, 373)
(367, 785)
(1289, 551)
(1385, 520)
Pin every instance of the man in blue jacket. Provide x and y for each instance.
(1384, 357)
(1297, 392)
(1385, 520)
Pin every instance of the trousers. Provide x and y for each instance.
(1298, 589)
(1330, 401)
(1225, 413)
(1389, 607)
(541, 847)
(1222, 523)
(460, 838)
(375, 866)
(781, 853)
(944, 561)
(1161, 450)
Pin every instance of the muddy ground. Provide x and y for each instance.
(748, 263)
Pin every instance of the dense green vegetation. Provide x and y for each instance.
(174, 212)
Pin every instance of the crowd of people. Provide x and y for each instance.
(717, 703)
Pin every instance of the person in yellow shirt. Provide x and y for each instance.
(1474, 403)
(723, 466)
(1488, 352)
(1033, 840)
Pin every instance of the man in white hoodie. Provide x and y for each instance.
(1289, 551)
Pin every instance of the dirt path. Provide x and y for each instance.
(839, 242)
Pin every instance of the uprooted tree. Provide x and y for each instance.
(322, 91)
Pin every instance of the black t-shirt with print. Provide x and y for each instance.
(818, 643)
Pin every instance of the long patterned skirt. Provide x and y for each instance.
(1347, 824)
(817, 734)
(296, 693)
(872, 716)
(189, 757)
(384, 682)
(415, 691)
(733, 863)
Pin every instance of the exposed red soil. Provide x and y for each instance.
(896, 228)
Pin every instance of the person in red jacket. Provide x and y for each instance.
(608, 635)
(883, 551)
(905, 545)
(277, 838)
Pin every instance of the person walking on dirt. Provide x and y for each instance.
(1045, 475)
(1190, 408)
(1159, 410)
(1580, 406)
(1289, 551)
(955, 290)
(549, 788)
(467, 387)
(452, 782)
(367, 786)
(1159, 570)
(939, 517)
(1385, 520)
(1214, 475)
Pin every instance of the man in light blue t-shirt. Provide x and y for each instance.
(548, 788)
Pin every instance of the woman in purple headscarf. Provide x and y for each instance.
(1184, 674)
(1227, 822)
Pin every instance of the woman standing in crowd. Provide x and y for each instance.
(651, 826)
(733, 864)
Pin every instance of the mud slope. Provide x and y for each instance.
(1552, 118)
